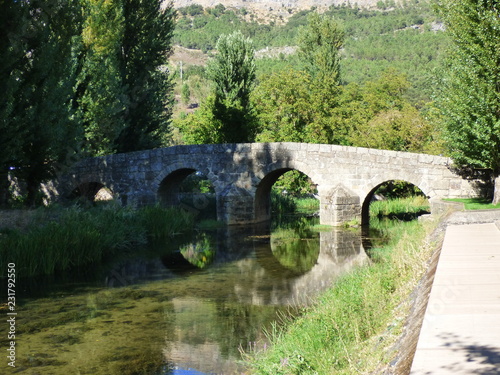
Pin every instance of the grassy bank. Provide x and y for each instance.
(475, 203)
(400, 207)
(351, 326)
(288, 204)
(60, 239)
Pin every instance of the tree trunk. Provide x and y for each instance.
(496, 192)
(4, 189)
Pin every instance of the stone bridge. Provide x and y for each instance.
(243, 174)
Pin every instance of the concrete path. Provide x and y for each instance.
(461, 329)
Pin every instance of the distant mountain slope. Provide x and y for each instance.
(276, 5)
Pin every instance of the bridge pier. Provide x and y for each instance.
(339, 206)
(235, 205)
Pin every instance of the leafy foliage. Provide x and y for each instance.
(39, 129)
(124, 87)
(233, 72)
(79, 77)
(470, 95)
(146, 46)
(282, 101)
(103, 101)
(319, 46)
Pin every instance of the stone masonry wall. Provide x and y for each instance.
(242, 172)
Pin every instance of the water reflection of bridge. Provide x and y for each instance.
(225, 305)
(254, 267)
(339, 252)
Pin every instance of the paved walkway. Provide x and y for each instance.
(461, 329)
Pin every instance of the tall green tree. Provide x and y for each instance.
(469, 98)
(12, 52)
(233, 72)
(124, 90)
(102, 98)
(38, 77)
(320, 42)
(146, 46)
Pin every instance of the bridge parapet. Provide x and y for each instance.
(242, 176)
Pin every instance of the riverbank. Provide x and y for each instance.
(369, 321)
(405, 348)
(353, 327)
(51, 240)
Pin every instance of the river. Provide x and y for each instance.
(189, 307)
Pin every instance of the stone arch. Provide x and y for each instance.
(262, 201)
(169, 186)
(365, 208)
(93, 191)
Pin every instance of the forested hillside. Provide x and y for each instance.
(408, 38)
(388, 48)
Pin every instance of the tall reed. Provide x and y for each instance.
(76, 236)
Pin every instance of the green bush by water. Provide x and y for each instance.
(281, 203)
(65, 238)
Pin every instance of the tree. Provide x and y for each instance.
(124, 90)
(202, 126)
(378, 115)
(12, 51)
(233, 72)
(319, 47)
(284, 107)
(102, 98)
(319, 43)
(469, 95)
(146, 45)
(38, 78)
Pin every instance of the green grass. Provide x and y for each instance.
(400, 207)
(350, 327)
(307, 204)
(475, 203)
(62, 239)
(289, 204)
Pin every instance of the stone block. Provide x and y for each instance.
(327, 149)
(313, 147)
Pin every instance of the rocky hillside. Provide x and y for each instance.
(276, 6)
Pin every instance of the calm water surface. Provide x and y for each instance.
(187, 311)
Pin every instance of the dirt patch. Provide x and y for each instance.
(188, 57)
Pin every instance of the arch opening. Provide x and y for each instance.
(190, 189)
(93, 192)
(282, 191)
(395, 199)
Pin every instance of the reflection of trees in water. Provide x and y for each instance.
(296, 250)
(199, 253)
